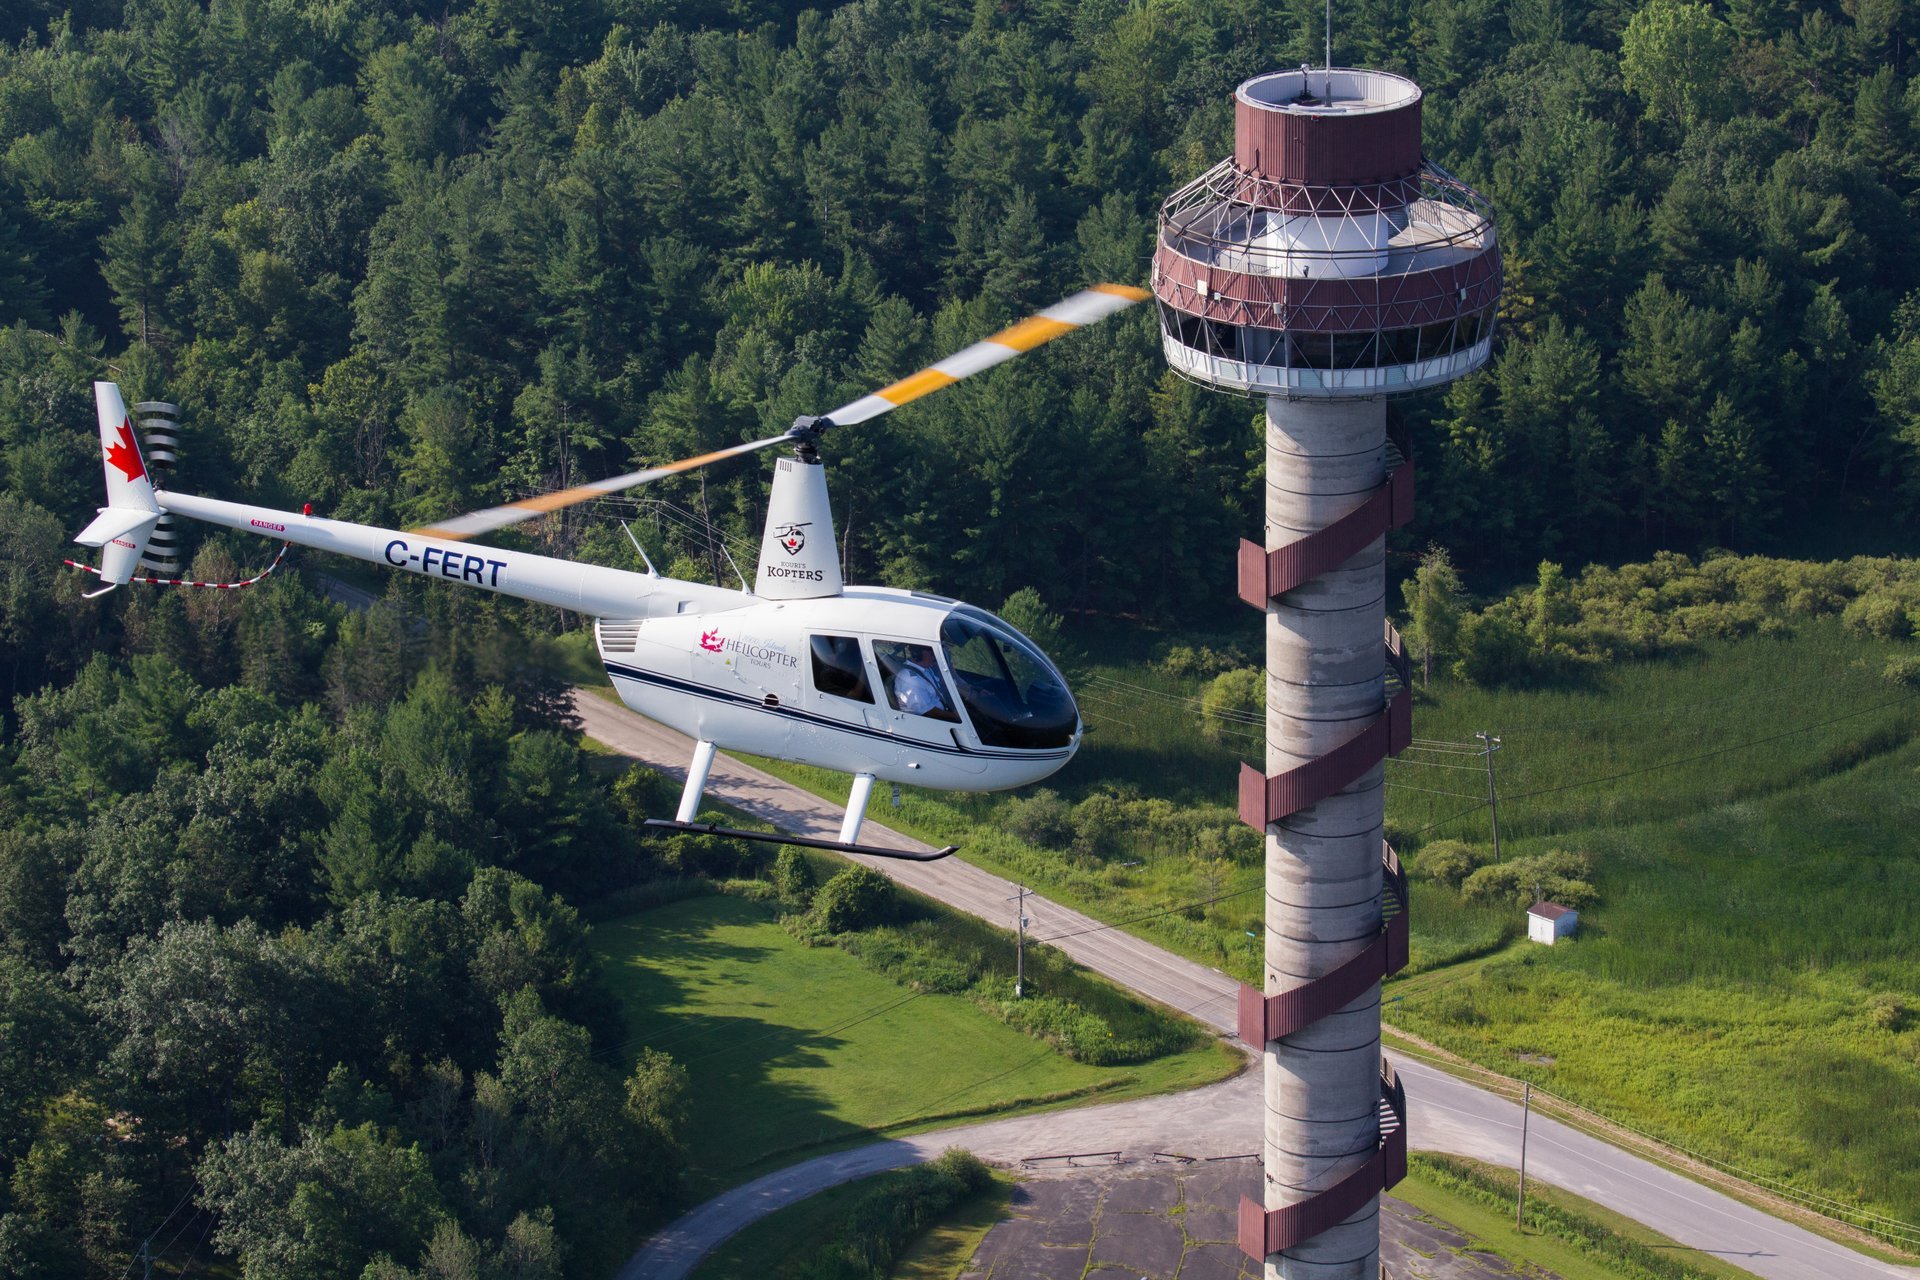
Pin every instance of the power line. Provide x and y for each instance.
(1457, 795)
(187, 1266)
(1432, 764)
(157, 1230)
(1668, 764)
(1473, 808)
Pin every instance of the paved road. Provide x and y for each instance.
(1445, 1114)
(1206, 994)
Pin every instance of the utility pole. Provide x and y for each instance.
(146, 1258)
(1493, 799)
(1520, 1202)
(1020, 943)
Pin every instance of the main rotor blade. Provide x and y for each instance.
(1082, 309)
(478, 522)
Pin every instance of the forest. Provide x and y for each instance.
(262, 926)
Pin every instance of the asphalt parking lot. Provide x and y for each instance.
(1176, 1222)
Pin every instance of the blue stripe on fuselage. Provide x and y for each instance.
(823, 722)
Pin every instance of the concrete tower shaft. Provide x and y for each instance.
(1326, 265)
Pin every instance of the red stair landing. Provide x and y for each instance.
(1265, 800)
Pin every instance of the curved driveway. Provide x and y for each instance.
(1446, 1114)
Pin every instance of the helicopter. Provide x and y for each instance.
(876, 682)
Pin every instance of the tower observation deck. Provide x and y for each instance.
(1325, 266)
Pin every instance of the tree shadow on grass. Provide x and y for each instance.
(740, 1113)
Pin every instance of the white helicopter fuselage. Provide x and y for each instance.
(721, 666)
(876, 683)
(749, 680)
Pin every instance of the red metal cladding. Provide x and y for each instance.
(1265, 574)
(1326, 148)
(1262, 1017)
(1266, 800)
(1264, 1232)
(1404, 300)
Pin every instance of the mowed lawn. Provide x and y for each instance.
(791, 1048)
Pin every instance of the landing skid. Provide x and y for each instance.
(810, 842)
(849, 841)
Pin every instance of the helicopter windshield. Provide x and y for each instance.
(1012, 694)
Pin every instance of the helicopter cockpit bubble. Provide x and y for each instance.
(1013, 695)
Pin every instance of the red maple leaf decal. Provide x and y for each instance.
(124, 456)
(711, 641)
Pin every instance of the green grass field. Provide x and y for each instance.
(792, 1049)
(1433, 1186)
(1750, 809)
(776, 1245)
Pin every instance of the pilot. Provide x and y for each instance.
(916, 685)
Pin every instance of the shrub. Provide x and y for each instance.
(1904, 672)
(716, 857)
(752, 890)
(854, 899)
(1882, 615)
(1228, 702)
(1185, 662)
(1451, 861)
(1076, 1031)
(641, 794)
(1452, 1006)
(1028, 614)
(793, 878)
(919, 955)
(1887, 1011)
(878, 1226)
(645, 896)
(1557, 875)
(1493, 649)
(1042, 819)
(1096, 821)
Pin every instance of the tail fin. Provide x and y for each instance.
(124, 524)
(127, 484)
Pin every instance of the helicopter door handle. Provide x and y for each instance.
(771, 700)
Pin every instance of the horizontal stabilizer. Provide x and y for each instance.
(114, 522)
(809, 842)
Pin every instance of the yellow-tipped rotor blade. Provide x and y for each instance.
(1082, 309)
(1078, 311)
(478, 522)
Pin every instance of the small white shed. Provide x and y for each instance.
(1549, 921)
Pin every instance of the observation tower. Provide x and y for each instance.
(1326, 266)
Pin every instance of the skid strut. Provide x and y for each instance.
(808, 842)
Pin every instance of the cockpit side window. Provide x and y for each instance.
(838, 668)
(912, 677)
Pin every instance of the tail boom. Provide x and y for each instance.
(565, 584)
